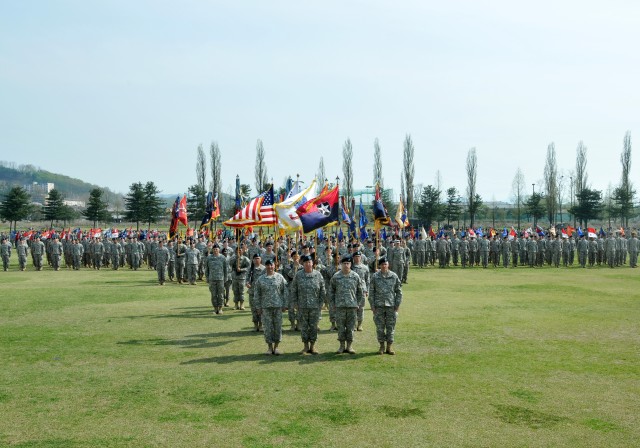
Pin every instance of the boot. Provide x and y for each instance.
(350, 350)
(255, 326)
(341, 349)
(381, 349)
(270, 349)
(293, 326)
(219, 310)
(275, 349)
(260, 327)
(242, 305)
(312, 349)
(359, 327)
(305, 349)
(333, 327)
(389, 349)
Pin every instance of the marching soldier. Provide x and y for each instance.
(307, 292)
(385, 298)
(270, 301)
(345, 293)
(216, 273)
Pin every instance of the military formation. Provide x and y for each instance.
(298, 279)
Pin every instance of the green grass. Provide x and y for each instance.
(526, 358)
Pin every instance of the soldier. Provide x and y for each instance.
(227, 284)
(116, 251)
(202, 248)
(583, 249)
(565, 250)
(632, 247)
(216, 273)
(181, 259)
(419, 248)
(505, 248)
(363, 272)
(270, 301)
(192, 262)
(601, 253)
(441, 246)
(524, 244)
(289, 272)
(307, 292)
(407, 261)
(98, 254)
(556, 251)
(483, 249)
(257, 270)
(240, 265)
(532, 250)
(610, 250)
(463, 248)
(515, 249)
(23, 252)
(162, 260)
(77, 251)
(327, 271)
(593, 251)
(135, 253)
(385, 298)
(455, 250)
(5, 250)
(473, 251)
(345, 293)
(56, 251)
(37, 248)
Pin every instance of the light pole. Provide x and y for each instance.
(560, 197)
(533, 187)
(574, 216)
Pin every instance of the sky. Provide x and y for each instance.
(117, 92)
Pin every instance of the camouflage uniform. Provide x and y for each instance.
(385, 297)
(37, 248)
(23, 251)
(181, 258)
(583, 249)
(346, 291)
(632, 248)
(77, 251)
(610, 250)
(162, 260)
(483, 246)
(593, 251)
(254, 274)
(363, 272)
(193, 261)
(56, 251)
(289, 272)
(239, 278)
(307, 292)
(270, 300)
(215, 271)
(98, 254)
(5, 250)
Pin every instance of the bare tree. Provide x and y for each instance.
(262, 180)
(551, 182)
(560, 191)
(377, 165)
(216, 169)
(472, 174)
(438, 181)
(409, 170)
(518, 189)
(347, 171)
(625, 193)
(581, 168)
(402, 188)
(201, 169)
(321, 176)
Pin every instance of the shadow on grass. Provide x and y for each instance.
(199, 313)
(294, 357)
(185, 343)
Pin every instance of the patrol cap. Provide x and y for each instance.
(293, 252)
(224, 251)
(269, 243)
(346, 259)
(256, 256)
(268, 262)
(216, 246)
(306, 258)
(382, 260)
(357, 254)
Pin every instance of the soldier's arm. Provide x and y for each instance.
(397, 293)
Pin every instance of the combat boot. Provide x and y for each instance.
(293, 326)
(275, 349)
(305, 349)
(269, 350)
(255, 326)
(359, 327)
(381, 349)
(389, 349)
(341, 349)
(242, 305)
(350, 350)
(312, 349)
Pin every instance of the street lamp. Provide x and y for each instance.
(533, 186)
(560, 197)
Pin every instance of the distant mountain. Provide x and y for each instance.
(35, 181)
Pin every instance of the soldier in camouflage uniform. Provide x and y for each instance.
(289, 272)
(202, 248)
(270, 301)
(385, 297)
(407, 261)
(181, 259)
(363, 272)
(116, 250)
(257, 270)
(532, 250)
(463, 248)
(593, 251)
(583, 250)
(23, 252)
(610, 250)
(216, 273)
(77, 251)
(632, 248)
(37, 249)
(346, 291)
(515, 249)
(192, 263)
(330, 267)
(239, 265)
(5, 250)
(307, 292)
(505, 248)
(162, 260)
(98, 254)
(56, 253)
(483, 248)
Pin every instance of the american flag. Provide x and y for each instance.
(258, 212)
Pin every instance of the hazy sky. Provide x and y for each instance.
(116, 92)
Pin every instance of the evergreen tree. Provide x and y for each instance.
(430, 207)
(134, 204)
(196, 203)
(53, 209)
(589, 206)
(152, 206)
(15, 206)
(453, 207)
(96, 207)
(535, 207)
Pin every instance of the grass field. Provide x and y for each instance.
(486, 358)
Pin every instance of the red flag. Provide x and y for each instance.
(182, 210)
